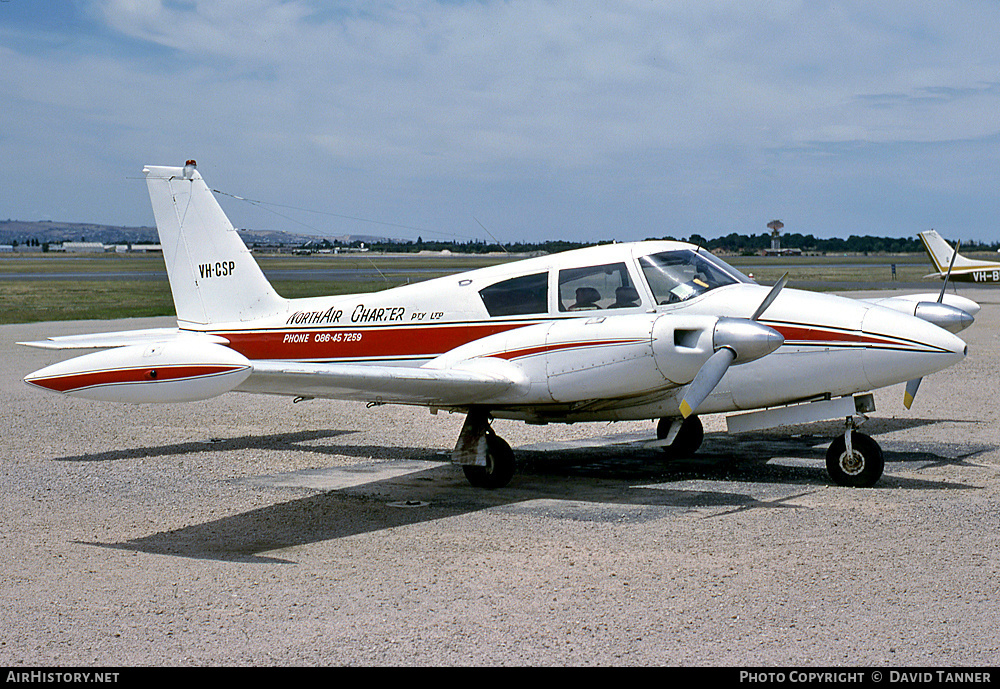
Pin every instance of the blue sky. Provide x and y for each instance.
(563, 119)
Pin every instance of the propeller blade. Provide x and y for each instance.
(707, 378)
(948, 275)
(770, 297)
(911, 391)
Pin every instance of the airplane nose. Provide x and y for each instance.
(900, 347)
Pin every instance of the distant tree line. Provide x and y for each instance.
(753, 244)
(732, 243)
(30, 242)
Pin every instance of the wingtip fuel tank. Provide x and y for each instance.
(159, 372)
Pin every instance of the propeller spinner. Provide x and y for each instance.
(735, 340)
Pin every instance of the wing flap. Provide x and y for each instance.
(479, 382)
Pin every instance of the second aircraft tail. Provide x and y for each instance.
(940, 252)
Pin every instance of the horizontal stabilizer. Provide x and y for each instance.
(122, 338)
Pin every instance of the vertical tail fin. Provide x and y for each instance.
(213, 277)
(940, 252)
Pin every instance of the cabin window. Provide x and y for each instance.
(597, 287)
(675, 276)
(518, 296)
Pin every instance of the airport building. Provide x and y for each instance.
(79, 247)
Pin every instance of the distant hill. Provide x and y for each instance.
(51, 232)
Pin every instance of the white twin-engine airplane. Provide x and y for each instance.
(647, 330)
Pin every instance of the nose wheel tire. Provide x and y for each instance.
(500, 465)
(861, 468)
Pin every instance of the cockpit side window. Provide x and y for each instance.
(593, 288)
(675, 276)
(523, 295)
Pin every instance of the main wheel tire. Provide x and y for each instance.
(860, 470)
(688, 440)
(500, 465)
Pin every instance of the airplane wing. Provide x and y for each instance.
(563, 362)
(479, 382)
(162, 365)
(122, 338)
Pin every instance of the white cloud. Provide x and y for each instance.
(571, 81)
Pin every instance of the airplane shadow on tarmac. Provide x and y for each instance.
(248, 442)
(618, 480)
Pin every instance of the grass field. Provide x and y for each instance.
(860, 270)
(56, 287)
(52, 287)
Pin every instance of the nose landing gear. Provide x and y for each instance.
(854, 459)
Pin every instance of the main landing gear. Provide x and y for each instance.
(500, 465)
(485, 457)
(687, 436)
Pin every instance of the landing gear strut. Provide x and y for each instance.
(688, 434)
(485, 457)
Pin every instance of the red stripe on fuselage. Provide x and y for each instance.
(808, 335)
(146, 374)
(398, 342)
(544, 349)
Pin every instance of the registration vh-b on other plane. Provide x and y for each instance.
(656, 330)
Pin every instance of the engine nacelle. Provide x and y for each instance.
(954, 314)
(159, 372)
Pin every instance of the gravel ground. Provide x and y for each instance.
(253, 531)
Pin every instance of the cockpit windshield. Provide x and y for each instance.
(675, 276)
